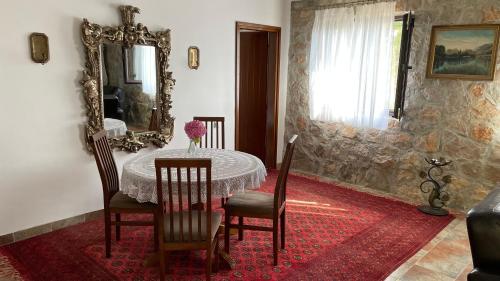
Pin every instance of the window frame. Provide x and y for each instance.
(408, 20)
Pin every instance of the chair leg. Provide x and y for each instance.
(227, 223)
(208, 269)
(275, 242)
(283, 221)
(107, 232)
(216, 253)
(155, 226)
(117, 226)
(240, 230)
(162, 264)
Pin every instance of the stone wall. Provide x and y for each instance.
(455, 119)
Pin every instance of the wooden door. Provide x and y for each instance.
(253, 93)
(271, 98)
(257, 90)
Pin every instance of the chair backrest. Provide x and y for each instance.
(186, 183)
(153, 122)
(280, 189)
(210, 123)
(106, 165)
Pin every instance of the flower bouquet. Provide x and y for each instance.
(194, 130)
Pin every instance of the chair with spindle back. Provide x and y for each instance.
(153, 122)
(183, 227)
(262, 205)
(210, 124)
(116, 202)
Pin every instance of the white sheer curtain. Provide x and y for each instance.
(145, 68)
(350, 65)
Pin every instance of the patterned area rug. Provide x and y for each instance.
(333, 233)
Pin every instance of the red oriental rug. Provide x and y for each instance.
(333, 233)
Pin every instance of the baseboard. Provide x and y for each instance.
(48, 227)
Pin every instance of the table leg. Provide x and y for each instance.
(152, 260)
(227, 260)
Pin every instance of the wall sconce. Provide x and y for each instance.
(39, 45)
(193, 57)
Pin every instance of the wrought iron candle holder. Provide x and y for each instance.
(438, 196)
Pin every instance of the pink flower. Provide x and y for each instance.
(195, 130)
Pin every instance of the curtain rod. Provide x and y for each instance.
(349, 4)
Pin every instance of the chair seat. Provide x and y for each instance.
(216, 222)
(252, 204)
(123, 201)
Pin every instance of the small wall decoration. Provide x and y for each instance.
(39, 46)
(193, 57)
(466, 52)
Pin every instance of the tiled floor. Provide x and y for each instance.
(445, 258)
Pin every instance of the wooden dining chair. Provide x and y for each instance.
(116, 202)
(153, 122)
(261, 205)
(183, 227)
(210, 124)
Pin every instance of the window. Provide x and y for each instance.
(403, 30)
(396, 51)
(358, 65)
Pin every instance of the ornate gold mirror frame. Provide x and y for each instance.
(127, 34)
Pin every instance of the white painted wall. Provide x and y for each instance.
(285, 46)
(45, 173)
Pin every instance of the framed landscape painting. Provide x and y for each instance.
(463, 52)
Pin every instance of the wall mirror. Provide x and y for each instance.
(126, 83)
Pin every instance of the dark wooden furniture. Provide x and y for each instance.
(115, 202)
(257, 90)
(153, 122)
(210, 123)
(483, 227)
(113, 102)
(182, 226)
(261, 205)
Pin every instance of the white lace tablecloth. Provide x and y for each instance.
(232, 172)
(114, 127)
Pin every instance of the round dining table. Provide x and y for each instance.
(114, 127)
(232, 172)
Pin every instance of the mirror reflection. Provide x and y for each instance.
(129, 88)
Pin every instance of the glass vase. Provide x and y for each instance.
(192, 147)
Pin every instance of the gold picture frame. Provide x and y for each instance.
(466, 52)
(193, 57)
(127, 34)
(39, 47)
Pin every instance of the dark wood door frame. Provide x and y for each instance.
(244, 26)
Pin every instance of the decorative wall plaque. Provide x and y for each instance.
(39, 46)
(193, 57)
